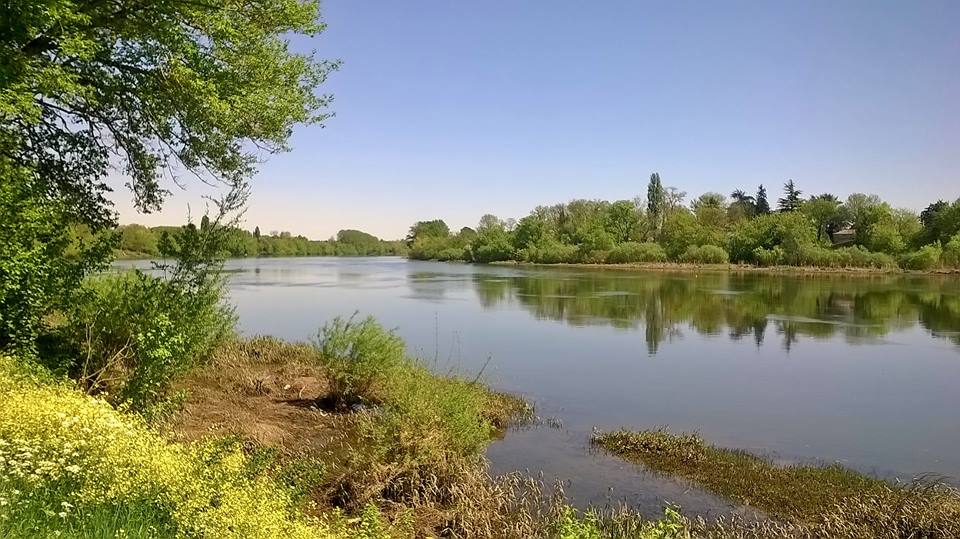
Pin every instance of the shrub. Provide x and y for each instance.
(923, 259)
(705, 254)
(846, 257)
(768, 257)
(452, 253)
(636, 252)
(135, 332)
(496, 250)
(585, 255)
(549, 252)
(787, 230)
(951, 252)
(360, 356)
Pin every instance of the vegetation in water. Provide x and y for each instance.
(821, 501)
(820, 231)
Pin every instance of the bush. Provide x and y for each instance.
(452, 253)
(788, 231)
(768, 257)
(549, 252)
(924, 259)
(951, 253)
(360, 356)
(636, 252)
(135, 332)
(705, 254)
(846, 257)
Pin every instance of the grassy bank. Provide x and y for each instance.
(814, 501)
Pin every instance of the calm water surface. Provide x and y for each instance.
(860, 370)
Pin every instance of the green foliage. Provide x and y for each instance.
(845, 257)
(951, 252)
(705, 254)
(41, 265)
(549, 251)
(427, 229)
(135, 332)
(788, 231)
(636, 252)
(656, 202)
(359, 356)
(884, 236)
(234, 242)
(791, 200)
(622, 220)
(426, 418)
(827, 214)
(924, 259)
(761, 205)
(769, 257)
(152, 85)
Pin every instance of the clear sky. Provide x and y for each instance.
(454, 109)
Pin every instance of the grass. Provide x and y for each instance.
(830, 500)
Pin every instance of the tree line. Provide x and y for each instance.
(819, 230)
(138, 241)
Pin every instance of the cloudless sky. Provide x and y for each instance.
(455, 109)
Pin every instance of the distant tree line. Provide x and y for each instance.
(138, 241)
(819, 230)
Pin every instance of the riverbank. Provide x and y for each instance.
(344, 439)
(668, 267)
(350, 438)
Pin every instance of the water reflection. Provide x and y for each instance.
(743, 306)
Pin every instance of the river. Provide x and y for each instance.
(861, 370)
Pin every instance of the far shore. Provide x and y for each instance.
(733, 268)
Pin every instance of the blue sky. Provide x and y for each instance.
(454, 109)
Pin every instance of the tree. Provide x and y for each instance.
(825, 212)
(156, 88)
(427, 229)
(710, 209)
(622, 218)
(256, 233)
(761, 205)
(656, 202)
(742, 207)
(791, 198)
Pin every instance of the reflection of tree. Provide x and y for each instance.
(859, 309)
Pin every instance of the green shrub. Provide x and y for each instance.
(636, 252)
(705, 254)
(135, 332)
(769, 257)
(846, 257)
(360, 356)
(495, 250)
(549, 252)
(924, 259)
(788, 231)
(586, 255)
(951, 252)
(452, 253)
